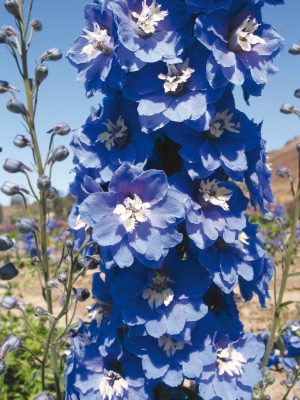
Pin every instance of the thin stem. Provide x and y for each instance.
(26, 206)
(50, 172)
(286, 270)
(275, 288)
(69, 324)
(13, 53)
(28, 17)
(49, 149)
(37, 247)
(30, 38)
(25, 348)
(39, 276)
(60, 262)
(292, 186)
(18, 46)
(30, 326)
(31, 188)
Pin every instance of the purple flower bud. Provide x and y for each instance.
(9, 303)
(44, 183)
(283, 172)
(72, 333)
(59, 154)
(14, 166)
(25, 226)
(82, 294)
(73, 292)
(62, 278)
(5, 242)
(65, 235)
(8, 272)
(5, 86)
(22, 141)
(297, 93)
(40, 73)
(10, 189)
(70, 243)
(51, 55)
(61, 129)
(3, 37)
(36, 25)
(287, 109)
(51, 193)
(2, 367)
(17, 107)
(52, 284)
(42, 312)
(93, 263)
(268, 218)
(45, 396)
(294, 49)
(62, 301)
(12, 6)
(9, 345)
(9, 30)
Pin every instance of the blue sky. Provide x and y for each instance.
(61, 99)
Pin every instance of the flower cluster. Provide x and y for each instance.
(158, 168)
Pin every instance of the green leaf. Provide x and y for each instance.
(287, 303)
(35, 376)
(294, 274)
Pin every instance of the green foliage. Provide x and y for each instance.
(1, 214)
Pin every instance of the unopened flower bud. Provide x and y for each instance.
(5, 242)
(297, 93)
(61, 129)
(8, 272)
(42, 312)
(36, 25)
(44, 183)
(70, 243)
(9, 345)
(82, 294)
(62, 278)
(52, 284)
(65, 235)
(5, 86)
(40, 73)
(22, 141)
(51, 193)
(12, 6)
(257, 395)
(283, 172)
(14, 166)
(93, 263)
(2, 367)
(3, 37)
(9, 30)
(62, 301)
(51, 55)
(268, 397)
(73, 291)
(59, 154)
(17, 107)
(25, 226)
(287, 108)
(10, 189)
(68, 260)
(45, 396)
(267, 218)
(283, 383)
(72, 333)
(96, 249)
(294, 49)
(9, 303)
(31, 83)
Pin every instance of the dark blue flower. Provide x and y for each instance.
(93, 52)
(242, 47)
(226, 262)
(258, 177)
(236, 370)
(207, 6)
(148, 32)
(214, 208)
(166, 301)
(174, 92)
(275, 2)
(110, 137)
(229, 136)
(137, 216)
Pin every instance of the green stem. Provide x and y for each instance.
(31, 188)
(27, 209)
(25, 348)
(30, 326)
(60, 262)
(286, 270)
(1, 383)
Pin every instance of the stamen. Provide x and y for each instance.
(98, 41)
(219, 123)
(211, 192)
(171, 345)
(243, 38)
(148, 19)
(177, 76)
(112, 384)
(229, 360)
(116, 134)
(159, 292)
(100, 309)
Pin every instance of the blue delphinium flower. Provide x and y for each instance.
(207, 6)
(275, 2)
(225, 143)
(137, 216)
(263, 273)
(163, 302)
(258, 177)
(226, 262)
(242, 47)
(93, 52)
(148, 31)
(29, 242)
(236, 369)
(174, 92)
(111, 138)
(214, 208)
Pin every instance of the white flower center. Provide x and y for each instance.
(159, 292)
(112, 384)
(177, 76)
(213, 193)
(148, 19)
(79, 223)
(100, 309)
(98, 41)
(229, 360)
(116, 134)
(171, 345)
(132, 212)
(220, 122)
(242, 38)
